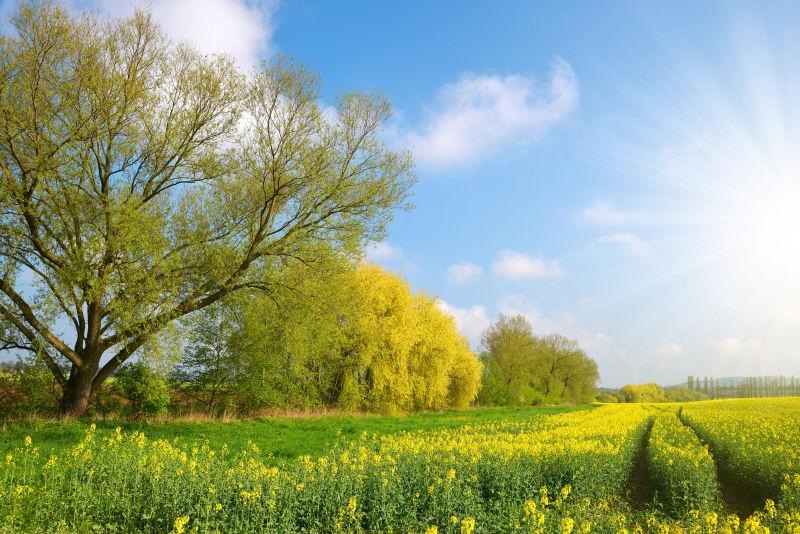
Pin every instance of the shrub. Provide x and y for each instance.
(144, 389)
(605, 397)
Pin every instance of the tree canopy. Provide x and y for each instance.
(522, 368)
(141, 181)
(355, 337)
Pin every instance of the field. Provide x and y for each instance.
(717, 466)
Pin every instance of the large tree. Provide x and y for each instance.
(141, 181)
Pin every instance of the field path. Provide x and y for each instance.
(640, 487)
(736, 496)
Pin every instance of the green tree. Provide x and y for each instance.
(355, 337)
(521, 368)
(509, 354)
(208, 366)
(141, 181)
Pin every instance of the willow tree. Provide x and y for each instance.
(141, 181)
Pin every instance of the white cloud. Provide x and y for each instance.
(382, 251)
(632, 244)
(238, 27)
(463, 273)
(669, 350)
(478, 114)
(735, 345)
(471, 321)
(601, 212)
(516, 265)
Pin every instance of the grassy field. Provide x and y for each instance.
(716, 467)
(279, 438)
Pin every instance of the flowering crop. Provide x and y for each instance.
(756, 440)
(565, 474)
(681, 468)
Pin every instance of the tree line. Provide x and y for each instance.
(745, 387)
(174, 229)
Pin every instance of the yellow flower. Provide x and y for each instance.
(530, 508)
(567, 524)
(467, 525)
(433, 529)
(179, 526)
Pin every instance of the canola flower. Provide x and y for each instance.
(681, 467)
(563, 474)
(754, 439)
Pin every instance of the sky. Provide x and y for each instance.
(624, 173)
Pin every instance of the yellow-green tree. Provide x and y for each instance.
(350, 335)
(406, 352)
(643, 393)
(141, 181)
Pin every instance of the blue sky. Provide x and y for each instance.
(623, 173)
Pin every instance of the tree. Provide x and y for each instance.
(402, 351)
(643, 393)
(521, 368)
(348, 335)
(141, 181)
(208, 365)
(509, 351)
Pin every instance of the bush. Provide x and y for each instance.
(29, 390)
(144, 389)
(605, 397)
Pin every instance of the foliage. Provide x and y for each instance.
(28, 390)
(353, 336)
(676, 394)
(521, 368)
(643, 393)
(144, 389)
(605, 398)
(208, 366)
(141, 180)
(681, 468)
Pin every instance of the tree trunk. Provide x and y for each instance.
(77, 392)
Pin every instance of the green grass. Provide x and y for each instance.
(279, 438)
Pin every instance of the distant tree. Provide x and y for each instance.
(606, 398)
(683, 395)
(643, 393)
(141, 181)
(521, 368)
(508, 349)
